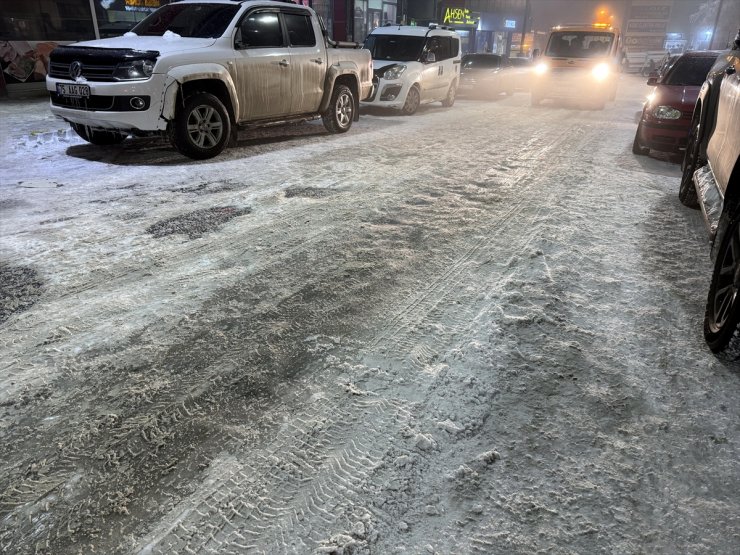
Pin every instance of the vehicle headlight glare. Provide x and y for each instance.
(666, 112)
(541, 69)
(394, 72)
(600, 72)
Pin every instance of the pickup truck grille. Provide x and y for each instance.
(91, 72)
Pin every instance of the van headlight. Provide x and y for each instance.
(394, 72)
(131, 71)
(666, 112)
(600, 72)
(541, 68)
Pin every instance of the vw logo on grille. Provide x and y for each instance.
(75, 70)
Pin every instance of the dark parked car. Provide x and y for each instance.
(486, 76)
(711, 179)
(666, 116)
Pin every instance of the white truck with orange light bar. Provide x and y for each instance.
(581, 62)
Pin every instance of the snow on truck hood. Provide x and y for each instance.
(164, 44)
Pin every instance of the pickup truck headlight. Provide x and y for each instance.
(541, 68)
(666, 112)
(130, 71)
(600, 72)
(394, 72)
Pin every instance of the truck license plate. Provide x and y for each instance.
(78, 91)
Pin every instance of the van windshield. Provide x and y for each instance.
(188, 20)
(579, 44)
(394, 47)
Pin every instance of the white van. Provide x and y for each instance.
(413, 66)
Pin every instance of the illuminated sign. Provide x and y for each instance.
(461, 16)
(510, 24)
(142, 5)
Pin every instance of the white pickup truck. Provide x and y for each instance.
(197, 69)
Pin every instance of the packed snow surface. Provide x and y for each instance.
(473, 330)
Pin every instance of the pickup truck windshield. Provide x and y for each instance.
(394, 47)
(579, 44)
(689, 72)
(188, 20)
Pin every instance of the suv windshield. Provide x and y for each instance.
(579, 44)
(481, 61)
(689, 71)
(394, 47)
(188, 20)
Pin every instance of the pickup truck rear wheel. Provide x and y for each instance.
(723, 303)
(338, 117)
(98, 137)
(687, 190)
(201, 127)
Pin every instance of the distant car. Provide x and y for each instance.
(522, 69)
(486, 76)
(666, 116)
(711, 179)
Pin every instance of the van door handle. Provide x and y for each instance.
(318, 61)
(284, 63)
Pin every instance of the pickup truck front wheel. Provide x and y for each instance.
(201, 127)
(723, 303)
(338, 117)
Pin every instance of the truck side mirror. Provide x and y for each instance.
(652, 81)
(431, 57)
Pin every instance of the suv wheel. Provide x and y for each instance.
(413, 99)
(201, 128)
(451, 94)
(341, 110)
(687, 191)
(723, 303)
(98, 137)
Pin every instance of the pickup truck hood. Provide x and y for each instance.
(164, 45)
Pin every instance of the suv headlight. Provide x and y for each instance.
(666, 112)
(138, 69)
(394, 72)
(600, 72)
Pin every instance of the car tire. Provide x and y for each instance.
(201, 128)
(723, 301)
(637, 148)
(98, 137)
(687, 191)
(449, 100)
(341, 111)
(413, 100)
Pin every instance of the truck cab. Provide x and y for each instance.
(579, 62)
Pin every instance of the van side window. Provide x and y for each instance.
(260, 30)
(444, 52)
(454, 46)
(300, 30)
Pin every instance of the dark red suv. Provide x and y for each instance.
(666, 116)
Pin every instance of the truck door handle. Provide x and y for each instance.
(284, 63)
(318, 61)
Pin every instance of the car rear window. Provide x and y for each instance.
(689, 71)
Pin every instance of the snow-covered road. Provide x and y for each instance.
(473, 330)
